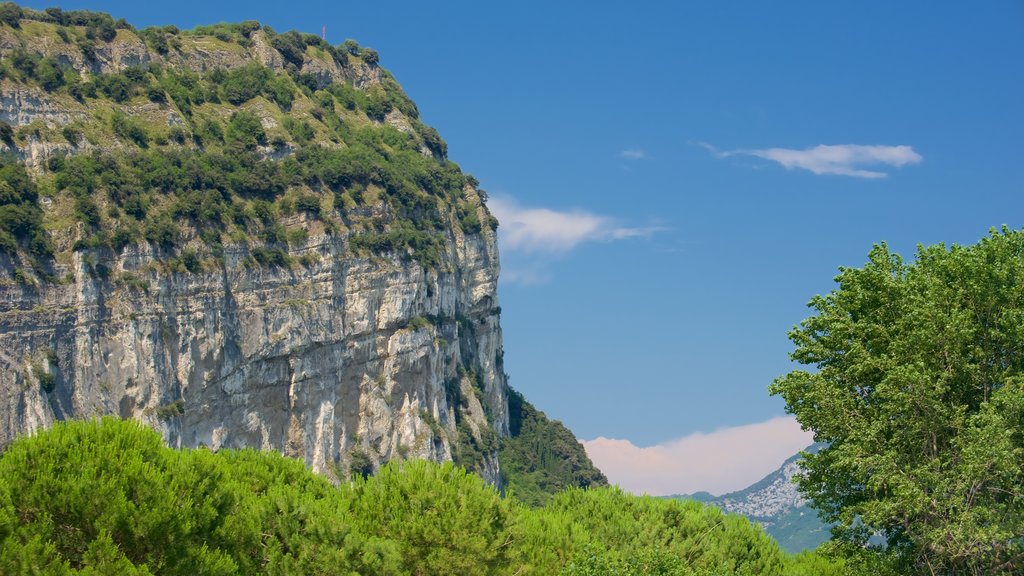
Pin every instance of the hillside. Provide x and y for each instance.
(774, 503)
(541, 457)
(241, 238)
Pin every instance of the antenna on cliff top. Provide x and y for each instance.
(323, 33)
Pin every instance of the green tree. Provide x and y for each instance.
(11, 14)
(446, 520)
(245, 130)
(919, 391)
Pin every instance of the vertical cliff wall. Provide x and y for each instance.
(375, 355)
(342, 353)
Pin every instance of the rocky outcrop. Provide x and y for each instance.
(346, 354)
(338, 358)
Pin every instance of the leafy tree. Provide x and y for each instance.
(291, 46)
(49, 74)
(107, 497)
(245, 83)
(246, 130)
(11, 14)
(919, 391)
(446, 520)
(370, 56)
(351, 46)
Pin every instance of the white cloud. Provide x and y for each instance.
(841, 159)
(542, 230)
(722, 461)
(633, 154)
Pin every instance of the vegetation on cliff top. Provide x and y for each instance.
(264, 156)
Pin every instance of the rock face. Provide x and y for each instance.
(315, 362)
(777, 506)
(349, 358)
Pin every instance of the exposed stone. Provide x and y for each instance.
(315, 361)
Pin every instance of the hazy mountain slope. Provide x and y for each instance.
(774, 503)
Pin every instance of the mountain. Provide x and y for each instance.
(542, 457)
(774, 503)
(240, 238)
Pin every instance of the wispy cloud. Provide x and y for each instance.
(722, 461)
(633, 154)
(840, 159)
(543, 230)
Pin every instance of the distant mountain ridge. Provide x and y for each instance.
(774, 503)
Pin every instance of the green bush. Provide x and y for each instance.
(6, 133)
(49, 74)
(245, 130)
(444, 520)
(129, 129)
(107, 497)
(291, 46)
(11, 14)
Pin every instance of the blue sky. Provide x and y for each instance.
(678, 179)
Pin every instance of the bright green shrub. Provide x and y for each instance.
(445, 520)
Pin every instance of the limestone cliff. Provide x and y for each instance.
(360, 326)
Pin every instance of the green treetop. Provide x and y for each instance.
(919, 392)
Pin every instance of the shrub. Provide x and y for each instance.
(11, 14)
(129, 129)
(271, 257)
(49, 74)
(47, 381)
(244, 84)
(117, 87)
(6, 133)
(162, 231)
(301, 131)
(308, 203)
(351, 46)
(370, 56)
(72, 135)
(245, 130)
(291, 46)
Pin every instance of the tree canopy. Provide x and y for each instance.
(919, 391)
(107, 497)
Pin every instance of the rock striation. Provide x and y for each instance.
(351, 359)
(314, 362)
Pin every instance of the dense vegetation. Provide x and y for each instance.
(919, 391)
(542, 457)
(181, 160)
(107, 497)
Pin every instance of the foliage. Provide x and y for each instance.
(11, 14)
(445, 520)
(542, 457)
(919, 391)
(21, 219)
(198, 177)
(245, 130)
(605, 531)
(107, 497)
